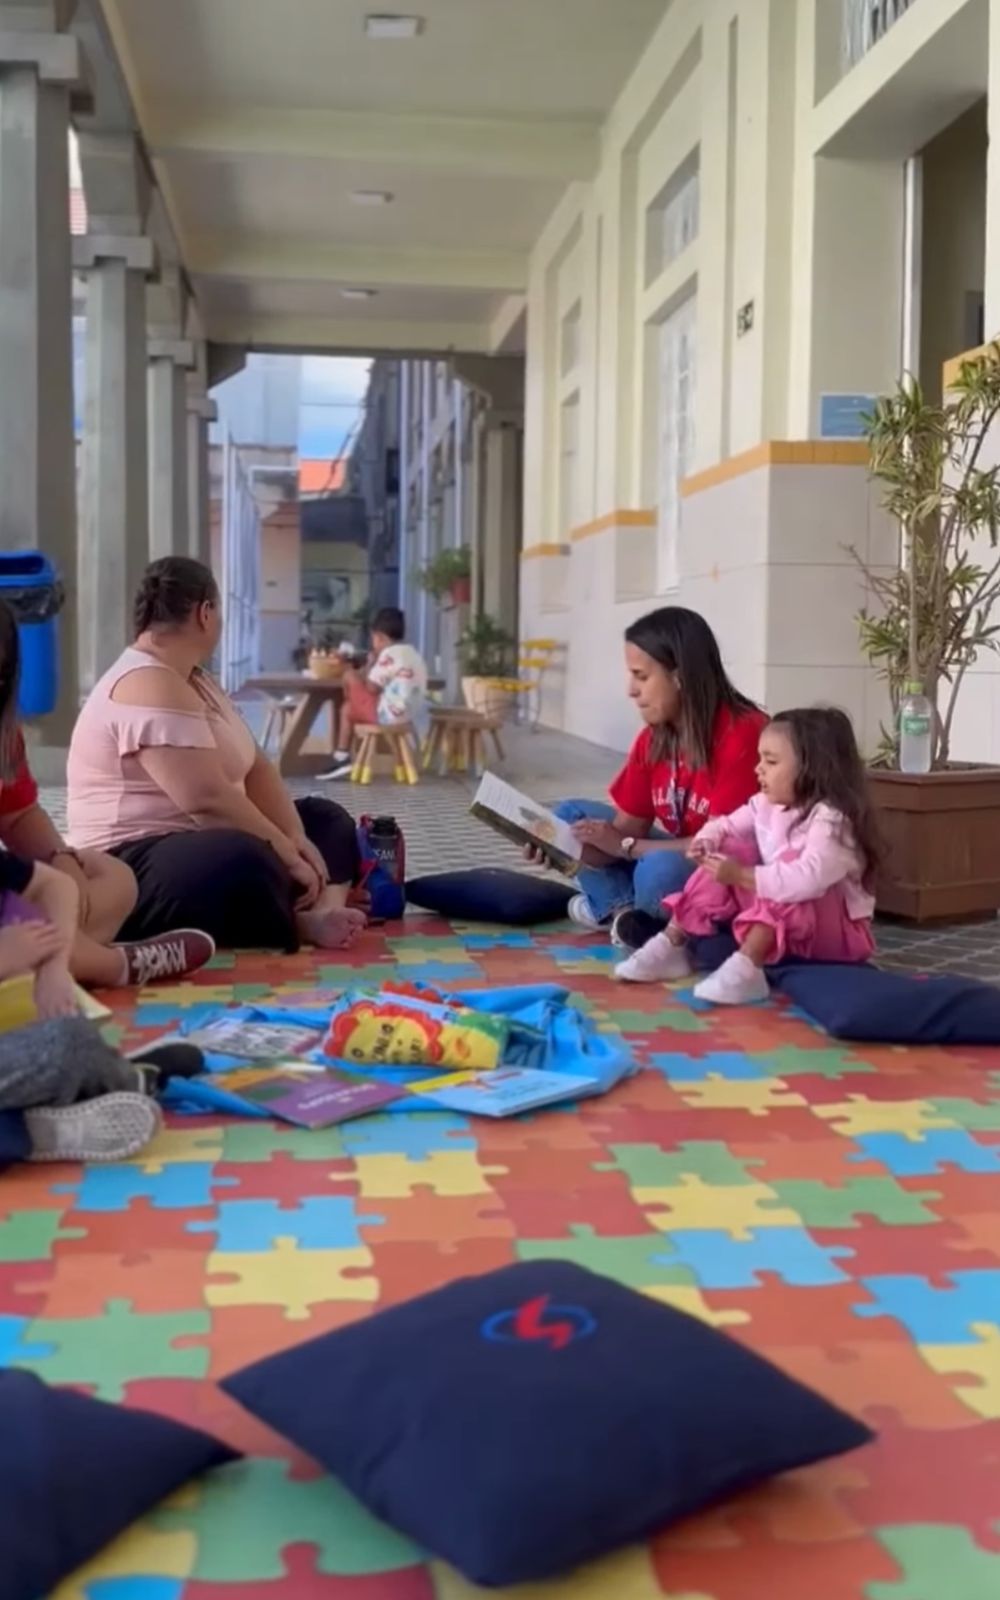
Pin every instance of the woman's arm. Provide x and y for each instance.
(605, 841)
(32, 834)
(265, 788)
(193, 779)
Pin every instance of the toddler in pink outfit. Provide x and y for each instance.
(791, 871)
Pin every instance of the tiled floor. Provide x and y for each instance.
(441, 834)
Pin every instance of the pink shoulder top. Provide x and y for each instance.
(111, 798)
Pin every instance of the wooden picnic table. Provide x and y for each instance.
(314, 695)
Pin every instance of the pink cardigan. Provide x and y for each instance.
(801, 856)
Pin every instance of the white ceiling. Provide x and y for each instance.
(262, 116)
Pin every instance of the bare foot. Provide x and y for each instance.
(335, 928)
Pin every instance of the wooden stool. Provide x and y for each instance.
(400, 743)
(279, 714)
(456, 739)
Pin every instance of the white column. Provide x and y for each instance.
(114, 487)
(201, 413)
(992, 312)
(37, 451)
(169, 361)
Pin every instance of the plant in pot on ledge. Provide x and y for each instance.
(931, 619)
(486, 654)
(449, 576)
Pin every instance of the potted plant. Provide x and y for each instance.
(931, 618)
(448, 576)
(486, 652)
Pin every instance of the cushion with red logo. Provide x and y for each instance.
(522, 1422)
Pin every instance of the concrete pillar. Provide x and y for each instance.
(501, 521)
(37, 451)
(114, 489)
(201, 413)
(169, 361)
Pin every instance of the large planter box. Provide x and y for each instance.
(942, 837)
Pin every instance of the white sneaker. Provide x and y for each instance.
(736, 983)
(657, 962)
(111, 1127)
(337, 774)
(580, 911)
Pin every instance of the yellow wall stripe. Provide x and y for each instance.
(532, 552)
(780, 453)
(614, 519)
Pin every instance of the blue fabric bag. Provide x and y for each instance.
(546, 1033)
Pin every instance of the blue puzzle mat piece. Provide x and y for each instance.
(12, 1350)
(182, 1186)
(436, 973)
(719, 1261)
(679, 1068)
(923, 1157)
(932, 1315)
(319, 1222)
(498, 941)
(135, 1589)
(415, 1137)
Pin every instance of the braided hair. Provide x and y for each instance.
(170, 590)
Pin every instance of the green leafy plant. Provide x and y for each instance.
(448, 568)
(485, 649)
(933, 614)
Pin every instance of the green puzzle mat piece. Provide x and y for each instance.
(236, 1548)
(938, 1563)
(646, 1166)
(107, 1353)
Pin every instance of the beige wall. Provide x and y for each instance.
(801, 177)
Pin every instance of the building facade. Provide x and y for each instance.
(461, 451)
(796, 202)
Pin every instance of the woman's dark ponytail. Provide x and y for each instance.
(170, 590)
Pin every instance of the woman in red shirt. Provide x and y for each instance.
(695, 758)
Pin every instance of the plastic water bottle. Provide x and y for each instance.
(916, 725)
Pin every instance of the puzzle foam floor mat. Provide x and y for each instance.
(837, 1208)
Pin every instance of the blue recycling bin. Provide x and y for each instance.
(31, 587)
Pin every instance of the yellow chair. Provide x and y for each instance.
(537, 657)
(400, 742)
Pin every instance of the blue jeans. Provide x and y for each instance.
(642, 884)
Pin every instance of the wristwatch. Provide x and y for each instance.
(628, 848)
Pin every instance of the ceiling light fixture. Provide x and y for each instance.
(358, 294)
(387, 25)
(372, 197)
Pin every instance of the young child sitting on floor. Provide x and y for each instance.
(393, 691)
(791, 871)
(38, 921)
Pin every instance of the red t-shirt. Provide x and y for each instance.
(22, 790)
(680, 799)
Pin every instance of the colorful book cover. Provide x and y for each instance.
(248, 1039)
(308, 1096)
(505, 1091)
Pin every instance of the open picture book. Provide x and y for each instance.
(521, 819)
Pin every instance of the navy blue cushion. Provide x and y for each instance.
(76, 1472)
(492, 894)
(520, 1423)
(14, 1141)
(865, 1003)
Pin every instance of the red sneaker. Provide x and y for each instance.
(168, 955)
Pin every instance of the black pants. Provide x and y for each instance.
(230, 884)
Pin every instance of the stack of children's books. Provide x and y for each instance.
(282, 1069)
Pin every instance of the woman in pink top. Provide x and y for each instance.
(792, 871)
(164, 773)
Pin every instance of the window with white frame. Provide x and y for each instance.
(677, 390)
(673, 219)
(569, 464)
(569, 352)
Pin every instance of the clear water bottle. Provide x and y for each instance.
(916, 730)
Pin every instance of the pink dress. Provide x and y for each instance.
(809, 885)
(112, 799)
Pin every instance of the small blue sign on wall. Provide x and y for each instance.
(841, 416)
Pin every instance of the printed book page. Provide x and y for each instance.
(525, 821)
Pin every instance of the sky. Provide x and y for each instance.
(333, 389)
